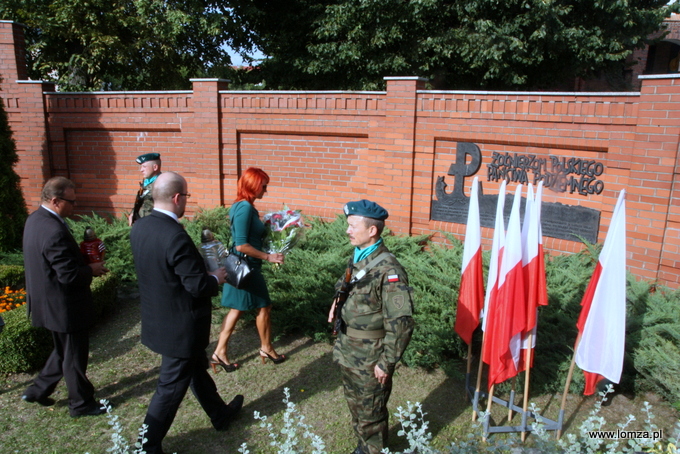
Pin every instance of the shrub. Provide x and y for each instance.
(12, 258)
(115, 233)
(23, 348)
(653, 339)
(13, 211)
(12, 276)
(104, 293)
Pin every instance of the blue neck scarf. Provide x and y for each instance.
(148, 181)
(360, 254)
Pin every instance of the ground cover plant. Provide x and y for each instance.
(125, 372)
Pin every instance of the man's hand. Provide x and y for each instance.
(331, 313)
(380, 375)
(98, 268)
(220, 274)
(130, 220)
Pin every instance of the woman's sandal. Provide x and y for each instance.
(275, 359)
(218, 362)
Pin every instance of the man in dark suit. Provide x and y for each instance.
(59, 298)
(175, 291)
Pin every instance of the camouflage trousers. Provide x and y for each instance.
(367, 402)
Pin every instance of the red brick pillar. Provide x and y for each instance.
(205, 131)
(654, 198)
(12, 52)
(388, 170)
(25, 106)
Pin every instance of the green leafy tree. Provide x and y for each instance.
(12, 205)
(125, 44)
(491, 44)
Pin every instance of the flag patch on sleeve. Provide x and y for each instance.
(393, 278)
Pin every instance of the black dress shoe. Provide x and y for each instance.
(44, 401)
(358, 450)
(235, 405)
(232, 410)
(90, 410)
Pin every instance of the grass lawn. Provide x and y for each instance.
(125, 372)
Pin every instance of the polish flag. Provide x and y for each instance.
(496, 253)
(602, 323)
(471, 293)
(507, 314)
(533, 263)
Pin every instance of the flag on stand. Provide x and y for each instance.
(496, 253)
(507, 313)
(533, 263)
(471, 293)
(602, 322)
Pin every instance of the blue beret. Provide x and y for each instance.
(367, 209)
(148, 157)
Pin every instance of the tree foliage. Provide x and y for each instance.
(336, 44)
(491, 44)
(12, 205)
(125, 44)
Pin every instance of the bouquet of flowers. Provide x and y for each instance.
(285, 229)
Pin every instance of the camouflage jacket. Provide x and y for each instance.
(143, 202)
(380, 300)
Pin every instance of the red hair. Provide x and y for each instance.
(250, 184)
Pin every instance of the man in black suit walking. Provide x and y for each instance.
(175, 291)
(59, 298)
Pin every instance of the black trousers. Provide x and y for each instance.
(69, 360)
(176, 376)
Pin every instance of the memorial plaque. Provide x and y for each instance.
(567, 222)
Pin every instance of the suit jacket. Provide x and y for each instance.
(57, 278)
(174, 287)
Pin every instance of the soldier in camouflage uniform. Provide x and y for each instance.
(376, 327)
(150, 167)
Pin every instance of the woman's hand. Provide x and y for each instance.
(250, 251)
(275, 258)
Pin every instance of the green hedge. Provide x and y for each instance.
(12, 276)
(24, 348)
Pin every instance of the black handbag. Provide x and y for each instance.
(238, 270)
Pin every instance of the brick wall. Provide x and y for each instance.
(322, 149)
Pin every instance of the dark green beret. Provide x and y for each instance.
(148, 157)
(367, 209)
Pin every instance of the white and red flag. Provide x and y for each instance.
(533, 264)
(471, 293)
(497, 245)
(602, 323)
(507, 313)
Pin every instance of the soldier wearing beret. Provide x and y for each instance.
(150, 167)
(377, 324)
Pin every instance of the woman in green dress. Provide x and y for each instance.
(248, 233)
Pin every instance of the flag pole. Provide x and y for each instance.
(566, 386)
(511, 400)
(488, 412)
(527, 373)
(469, 369)
(479, 378)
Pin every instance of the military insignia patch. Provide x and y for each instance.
(393, 278)
(398, 301)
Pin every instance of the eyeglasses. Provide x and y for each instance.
(72, 202)
(185, 194)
